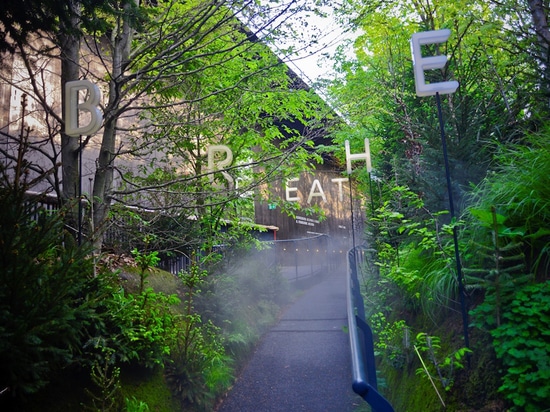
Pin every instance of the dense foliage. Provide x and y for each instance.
(497, 144)
(521, 343)
(45, 307)
(509, 229)
(192, 74)
(60, 313)
(65, 314)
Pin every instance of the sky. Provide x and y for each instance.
(317, 61)
(317, 65)
(319, 40)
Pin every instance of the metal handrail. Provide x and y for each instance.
(361, 342)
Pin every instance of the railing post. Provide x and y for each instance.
(361, 345)
(295, 258)
(368, 351)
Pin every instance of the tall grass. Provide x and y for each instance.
(519, 189)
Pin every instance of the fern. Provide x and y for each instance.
(519, 188)
(500, 265)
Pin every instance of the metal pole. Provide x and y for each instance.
(455, 236)
(295, 258)
(352, 219)
(80, 192)
(371, 197)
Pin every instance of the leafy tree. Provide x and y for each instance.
(404, 131)
(21, 19)
(527, 35)
(196, 70)
(276, 144)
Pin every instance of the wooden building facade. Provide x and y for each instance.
(327, 190)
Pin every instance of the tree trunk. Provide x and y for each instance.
(103, 181)
(69, 42)
(540, 24)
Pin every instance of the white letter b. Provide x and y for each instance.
(90, 105)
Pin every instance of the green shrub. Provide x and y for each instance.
(508, 253)
(521, 343)
(519, 191)
(391, 340)
(45, 285)
(499, 270)
(105, 395)
(415, 252)
(139, 327)
(198, 369)
(135, 405)
(440, 367)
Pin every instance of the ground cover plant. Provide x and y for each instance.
(510, 220)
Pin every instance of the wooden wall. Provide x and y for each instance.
(328, 189)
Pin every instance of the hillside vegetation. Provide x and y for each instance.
(111, 334)
(413, 301)
(483, 346)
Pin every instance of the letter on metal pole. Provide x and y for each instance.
(420, 64)
(358, 156)
(435, 89)
(73, 108)
(213, 165)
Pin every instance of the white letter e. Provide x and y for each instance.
(429, 63)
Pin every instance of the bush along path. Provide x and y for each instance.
(118, 334)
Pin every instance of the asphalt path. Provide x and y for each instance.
(303, 363)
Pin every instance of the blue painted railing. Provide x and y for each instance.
(361, 342)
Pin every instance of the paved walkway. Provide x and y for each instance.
(303, 363)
